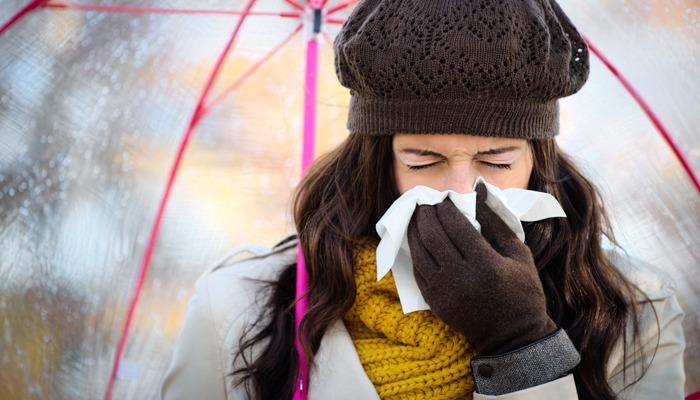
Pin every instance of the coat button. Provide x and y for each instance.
(485, 370)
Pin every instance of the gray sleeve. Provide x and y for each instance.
(532, 365)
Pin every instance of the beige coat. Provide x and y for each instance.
(224, 303)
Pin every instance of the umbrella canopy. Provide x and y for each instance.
(190, 115)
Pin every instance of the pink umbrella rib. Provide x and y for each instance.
(328, 38)
(248, 73)
(649, 113)
(335, 21)
(196, 117)
(294, 4)
(341, 6)
(157, 10)
(24, 11)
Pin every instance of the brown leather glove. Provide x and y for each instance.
(484, 285)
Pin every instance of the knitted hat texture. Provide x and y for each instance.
(482, 67)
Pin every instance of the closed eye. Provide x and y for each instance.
(419, 167)
(499, 166)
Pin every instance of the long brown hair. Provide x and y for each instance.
(338, 204)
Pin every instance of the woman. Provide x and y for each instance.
(442, 93)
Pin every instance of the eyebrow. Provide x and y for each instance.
(420, 152)
(499, 150)
(490, 152)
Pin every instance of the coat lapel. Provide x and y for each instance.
(339, 373)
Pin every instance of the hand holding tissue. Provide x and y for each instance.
(483, 285)
(511, 205)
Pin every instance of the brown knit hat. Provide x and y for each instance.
(481, 67)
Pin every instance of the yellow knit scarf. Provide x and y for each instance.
(406, 356)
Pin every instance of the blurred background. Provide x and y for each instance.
(94, 104)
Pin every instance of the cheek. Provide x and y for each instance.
(520, 181)
(402, 187)
(521, 175)
(517, 177)
(500, 179)
(406, 180)
(403, 180)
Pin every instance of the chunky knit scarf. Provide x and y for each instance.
(406, 356)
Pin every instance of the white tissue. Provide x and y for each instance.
(512, 205)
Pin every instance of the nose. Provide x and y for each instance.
(461, 179)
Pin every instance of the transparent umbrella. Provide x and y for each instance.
(117, 118)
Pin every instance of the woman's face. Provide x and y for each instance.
(453, 162)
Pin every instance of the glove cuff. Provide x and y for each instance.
(535, 364)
